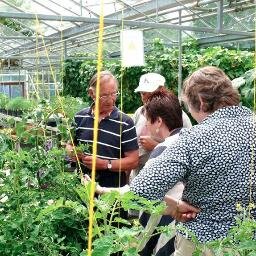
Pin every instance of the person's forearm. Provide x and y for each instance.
(128, 162)
(102, 190)
(180, 210)
(172, 206)
(123, 164)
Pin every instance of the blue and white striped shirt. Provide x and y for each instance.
(116, 135)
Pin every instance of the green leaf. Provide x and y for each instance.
(247, 245)
(103, 246)
(130, 252)
(51, 208)
(122, 221)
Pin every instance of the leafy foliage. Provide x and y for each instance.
(20, 103)
(3, 100)
(240, 239)
(161, 59)
(72, 78)
(247, 90)
(32, 180)
(44, 207)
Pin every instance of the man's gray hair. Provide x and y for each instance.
(104, 75)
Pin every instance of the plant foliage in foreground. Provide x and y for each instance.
(44, 206)
(241, 238)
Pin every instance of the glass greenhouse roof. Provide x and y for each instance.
(39, 32)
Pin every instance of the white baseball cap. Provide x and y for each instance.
(150, 82)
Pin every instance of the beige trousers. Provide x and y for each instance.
(184, 247)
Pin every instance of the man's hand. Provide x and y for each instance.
(69, 149)
(126, 163)
(101, 164)
(147, 142)
(180, 210)
(71, 153)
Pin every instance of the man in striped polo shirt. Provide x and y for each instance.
(117, 147)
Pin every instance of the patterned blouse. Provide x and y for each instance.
(216, 161)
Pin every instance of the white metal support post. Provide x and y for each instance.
(220, 16)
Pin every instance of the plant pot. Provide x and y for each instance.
(10, 112)
(52, 123)
(18, 113)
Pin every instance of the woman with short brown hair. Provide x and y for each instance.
(210, 89)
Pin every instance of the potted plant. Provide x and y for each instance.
(14, 106)
(3, 103)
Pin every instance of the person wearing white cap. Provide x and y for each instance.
(148, 84)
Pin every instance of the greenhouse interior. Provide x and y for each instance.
(127, 127)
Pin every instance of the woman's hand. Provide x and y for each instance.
(147, 142)
(86, 179)
(180, 210)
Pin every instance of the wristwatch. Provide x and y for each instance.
(109, 165)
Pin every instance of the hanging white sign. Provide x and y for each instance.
(132, 48)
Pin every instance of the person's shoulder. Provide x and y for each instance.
(138, 110)
(199, 133)
(194, 130)
(83, 112)
(138, 114)
(125, 117)
(170, 140)
(186, 120)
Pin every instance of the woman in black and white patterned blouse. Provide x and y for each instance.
(214, 159)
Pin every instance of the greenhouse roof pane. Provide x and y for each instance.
(42, 28)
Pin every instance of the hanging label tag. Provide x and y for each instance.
(132, 48)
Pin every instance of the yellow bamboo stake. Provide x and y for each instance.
(121, 108)
(95, 130)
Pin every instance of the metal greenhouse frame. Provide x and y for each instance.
(51, 31)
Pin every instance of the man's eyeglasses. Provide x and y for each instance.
(106, 96)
